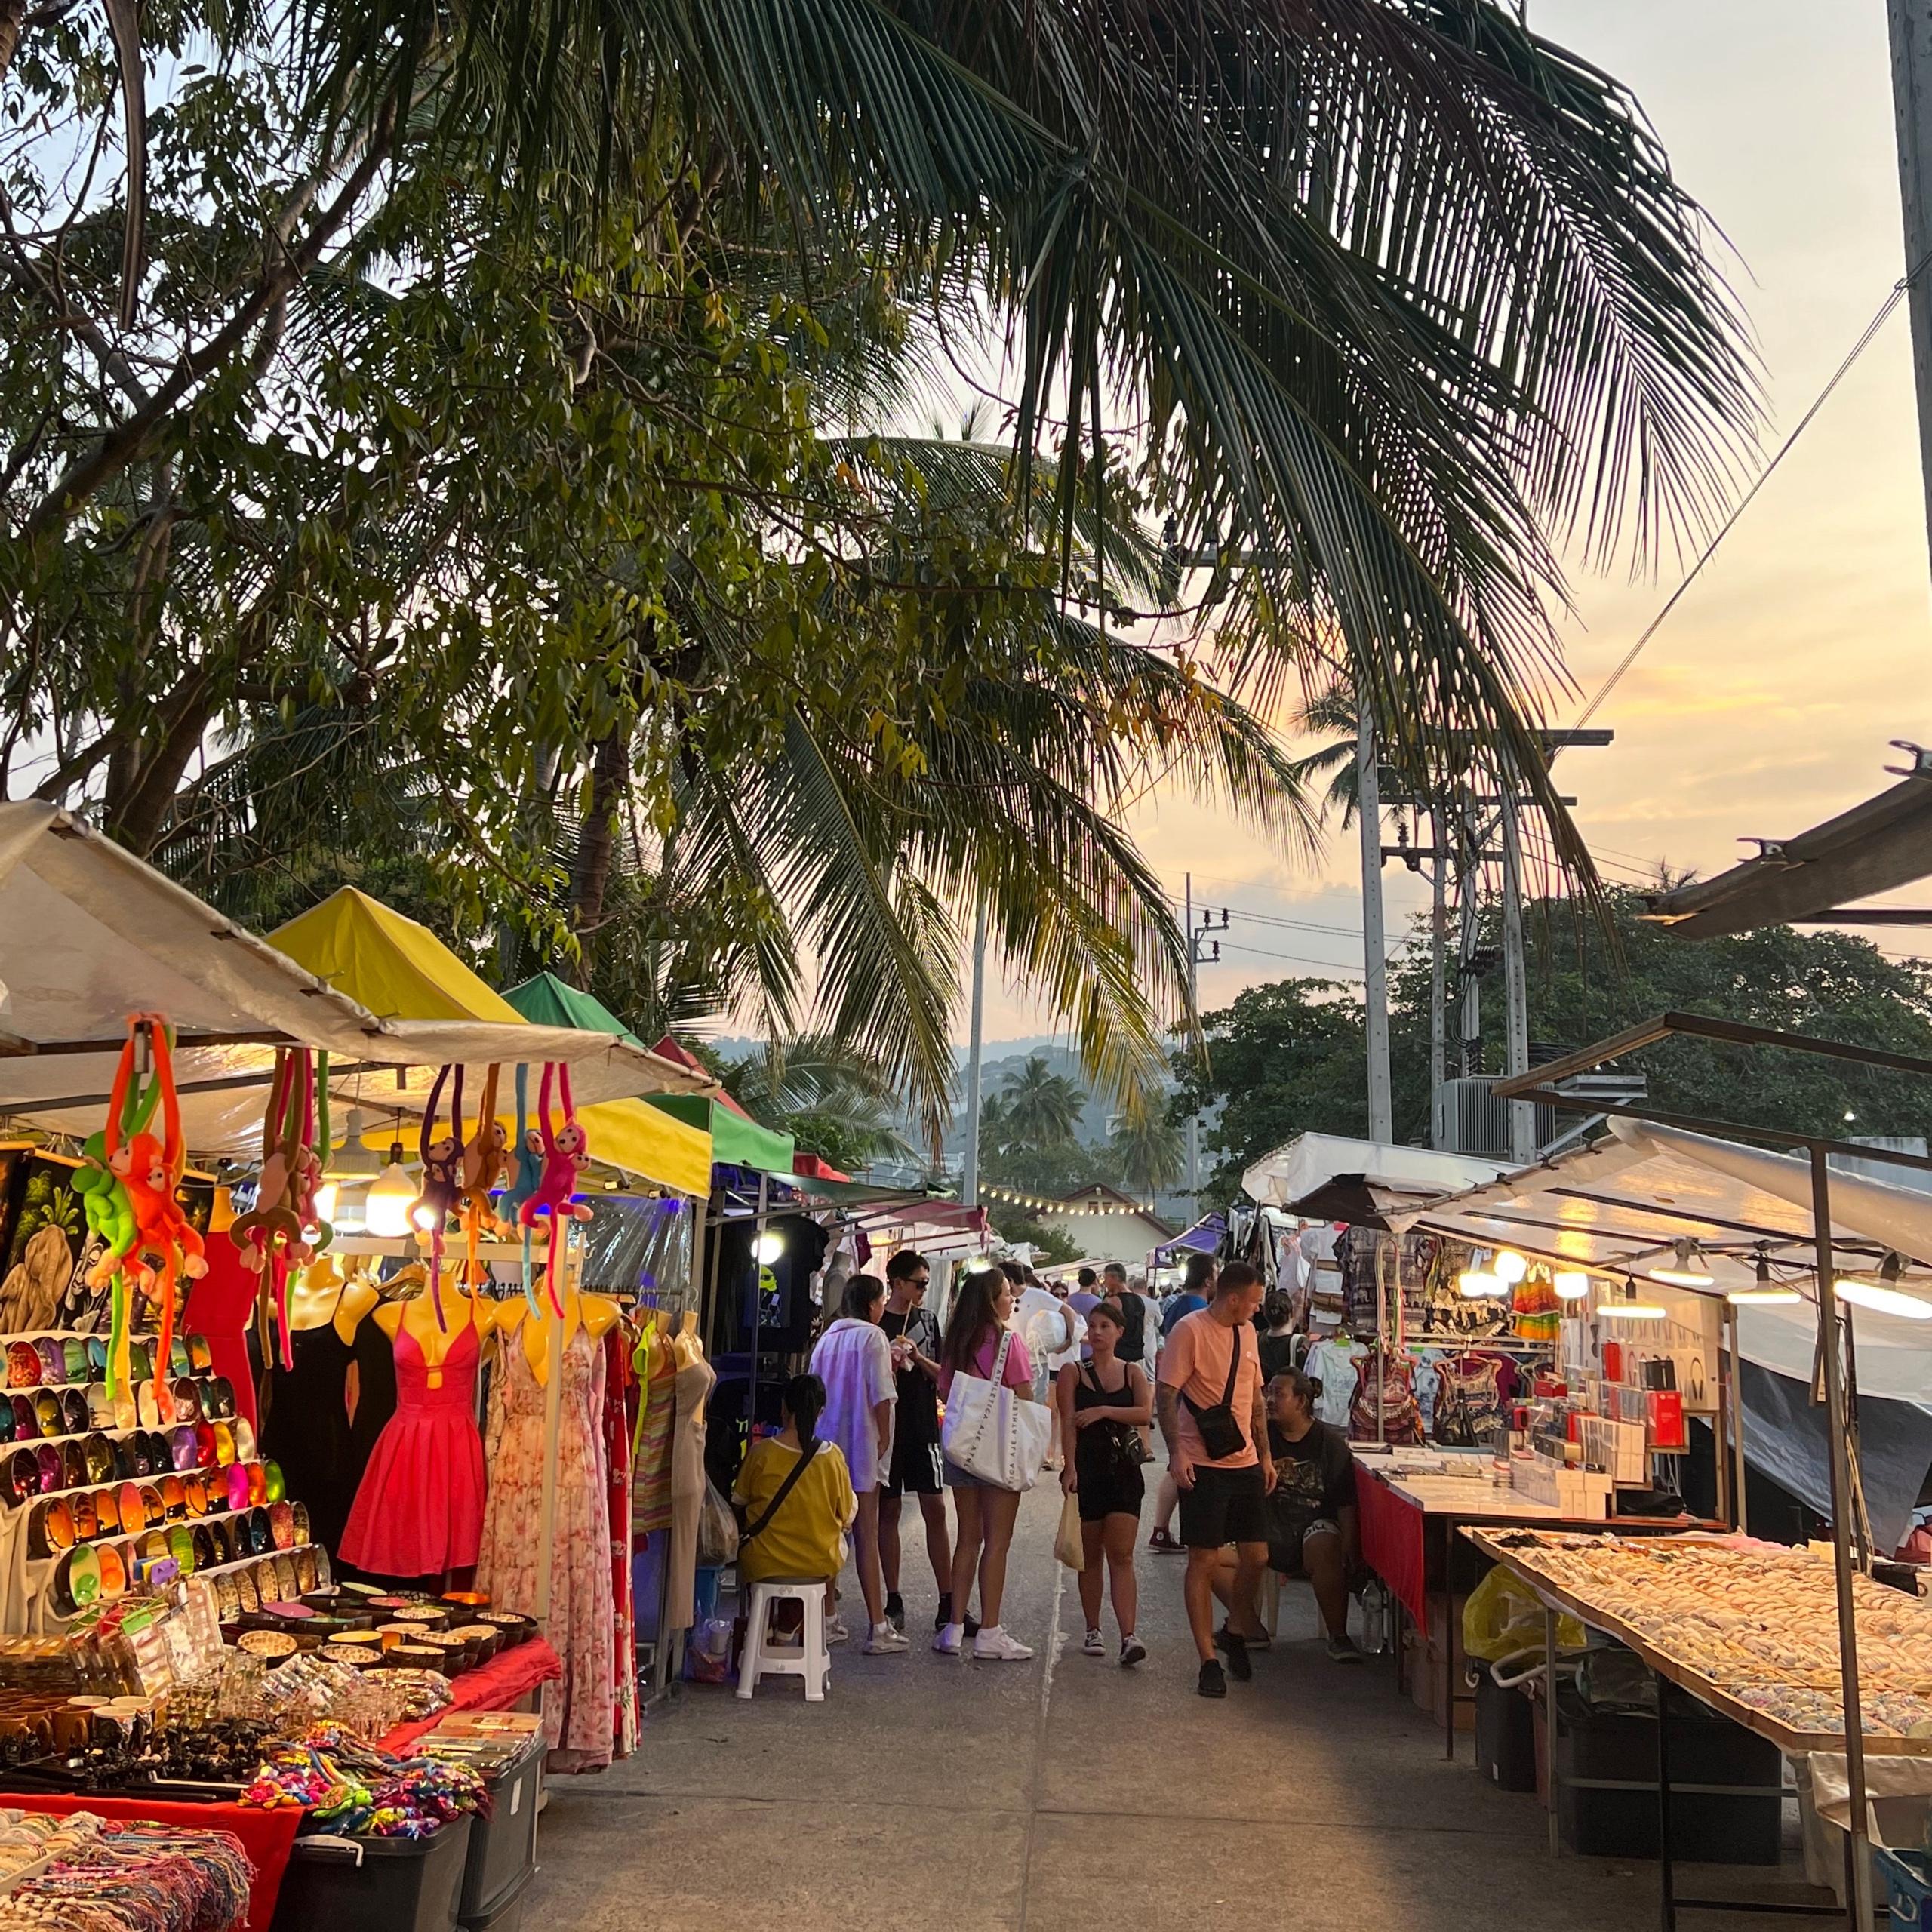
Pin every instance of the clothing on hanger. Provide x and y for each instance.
(1393, 1417)
(419, 1511)
(577, 1713)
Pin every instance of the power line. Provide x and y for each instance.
(1883, 316)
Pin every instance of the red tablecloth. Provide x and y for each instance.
(1392, 1542)
(266, 1835)
(497, 1687)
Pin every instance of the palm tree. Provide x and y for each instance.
(1043, 1108)
(1149, 1150)
(839, 1103)
(1404, 294)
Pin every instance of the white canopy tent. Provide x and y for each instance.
(89, 934)
(1299, 1169)
(1618, 1206)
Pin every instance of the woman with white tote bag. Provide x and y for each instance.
(995, 1441)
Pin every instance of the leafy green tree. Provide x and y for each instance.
(834, 1102)
(1041, 1109)
(1149, 1153)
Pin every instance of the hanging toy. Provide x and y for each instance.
(273, 1237)
(566, 1154)
(526, 1160)
(484, 1156)
(441, 1153)
(110, 1215)
(166, 1245)
(306, 1178)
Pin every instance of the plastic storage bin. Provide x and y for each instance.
(1505, 1735)
(1908, 1876)
(374, 1884)
(1726, 1799)
(502, 1847)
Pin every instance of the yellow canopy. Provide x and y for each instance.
(400, 969)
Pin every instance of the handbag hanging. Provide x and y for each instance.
(991, 1431)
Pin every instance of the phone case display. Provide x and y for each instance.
(1757, 1623)
(577, 1712)
(101, 1493)
(419, 1511)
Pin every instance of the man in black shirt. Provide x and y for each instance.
(915, 1464)
(1310, 1511)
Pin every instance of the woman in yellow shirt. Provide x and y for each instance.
(805, 1537)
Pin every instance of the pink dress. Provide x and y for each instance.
(581, 1625)
(419, 1510)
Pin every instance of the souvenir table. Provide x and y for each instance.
(1408, 1517)
(1748, 1629)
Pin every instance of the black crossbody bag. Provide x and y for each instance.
(1220, 1431)
(785, 1488)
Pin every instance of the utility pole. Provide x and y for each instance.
(1375, 971)
(1196, 938)
(969, 1163)
(1516, 985)
(1910, 22)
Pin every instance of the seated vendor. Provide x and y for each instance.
(794, 1520)
(1311, 1512)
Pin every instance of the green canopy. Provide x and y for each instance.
(547, 1001)
(736, 1142)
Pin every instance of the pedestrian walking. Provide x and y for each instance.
(1086, 1297)
(854, 1359)
(1212, 1414)
(913, 1332)
(1278, 1336)
(987, 1513)
(1104, 1403)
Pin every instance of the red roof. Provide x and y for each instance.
(685, 1058)
(811, 1168)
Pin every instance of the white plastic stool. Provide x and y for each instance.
(808, 1659)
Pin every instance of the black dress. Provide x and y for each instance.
(1106, 1456)
(307, 1427)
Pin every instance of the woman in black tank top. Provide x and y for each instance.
(1104, 1403)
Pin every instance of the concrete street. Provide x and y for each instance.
(929, 1796)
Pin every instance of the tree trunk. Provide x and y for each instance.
(590, 877)
(13, 20)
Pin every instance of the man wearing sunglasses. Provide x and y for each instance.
(915, 1464)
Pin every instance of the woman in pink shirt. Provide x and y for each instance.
(974, 1334)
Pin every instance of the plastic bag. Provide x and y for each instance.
(1069, 1545)
(1503, 1618)
(717, 1529)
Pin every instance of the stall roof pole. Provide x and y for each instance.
(1859, 1891)
(1734, 1404)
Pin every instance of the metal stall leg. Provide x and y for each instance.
(1666, 1893)
(1449, 1682)
(1550, 1723)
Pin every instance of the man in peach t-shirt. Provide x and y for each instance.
(1223, 1498)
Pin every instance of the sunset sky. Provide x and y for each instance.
(1765, 703)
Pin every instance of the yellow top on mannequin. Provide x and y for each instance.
(461, 1310)
(320, 1296)
(594, 1314)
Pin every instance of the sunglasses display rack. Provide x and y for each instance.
(101, 1496)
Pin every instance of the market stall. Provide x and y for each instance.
(170, 1620)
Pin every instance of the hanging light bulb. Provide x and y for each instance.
(1478, 1283)
(326, 1197)
(390, 1193)
(1688, 1271)
(767, 1246)
(1624, 1304)
(1510, 1266)
(1765, 1291)
(1882, 1296)
(1572, 1284)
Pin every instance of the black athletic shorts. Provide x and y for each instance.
(1224, 1506)
(915, 1466)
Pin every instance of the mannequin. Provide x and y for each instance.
(577, 1714)
(692, 1385)
(306, 1425)
(419, 1510)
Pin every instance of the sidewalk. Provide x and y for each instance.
(1069, 1796)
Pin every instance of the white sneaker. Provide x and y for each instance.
(994, 1646)
(1343, 1648)
(885, 1642)
(948, 1639)
(835, 1633)
(1095, 1645)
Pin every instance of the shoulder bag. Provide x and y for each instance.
(991, 1431)
(784, 1490)
(1221, 1433)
